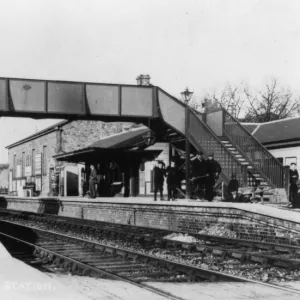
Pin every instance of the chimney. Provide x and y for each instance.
(143, 80)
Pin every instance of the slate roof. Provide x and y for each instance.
(250, 127)
(121, 140)
(276, 131)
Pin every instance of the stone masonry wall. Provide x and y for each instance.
(247, 225)
(80, 134)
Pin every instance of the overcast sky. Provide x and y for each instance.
(194, 43)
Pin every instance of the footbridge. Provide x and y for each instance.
(172, 121)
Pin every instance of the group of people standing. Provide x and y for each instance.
(204, 174)
(101, 179)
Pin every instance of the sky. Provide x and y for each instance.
(202, 44)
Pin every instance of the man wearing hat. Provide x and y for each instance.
(213, 170)
(159, 173)
(199, 174)
(294, 176)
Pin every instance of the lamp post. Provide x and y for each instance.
(186, 97)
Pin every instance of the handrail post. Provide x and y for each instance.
(187, 153)
(244, 176)
(286, 180)
(223, 121)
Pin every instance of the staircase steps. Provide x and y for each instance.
(244, 161)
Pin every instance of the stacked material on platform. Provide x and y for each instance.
(181, 238)
(218, 230)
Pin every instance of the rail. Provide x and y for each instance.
(204, 138)
(254, 151)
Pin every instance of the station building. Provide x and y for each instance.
(60, 153)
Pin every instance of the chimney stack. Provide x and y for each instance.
(143, 80)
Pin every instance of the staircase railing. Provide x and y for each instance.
(204, 139)
(254, 151)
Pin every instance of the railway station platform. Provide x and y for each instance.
(249, 221)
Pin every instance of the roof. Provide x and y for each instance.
(275, 131)
(127, 142)
(121, 140)
(250, 127)
(39, 133)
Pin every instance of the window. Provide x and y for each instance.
(33, 162)
(289, 160)
(28, 160)
(15, 166)
(23, 164)
(45, 165)
(280, 159)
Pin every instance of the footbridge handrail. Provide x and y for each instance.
(205, 139)
(253, 150)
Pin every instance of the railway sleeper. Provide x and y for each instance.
(219, 252)
(201, 248)
(121, 253)
(259, 259)
(110, 262)
(238, 255)
(188, 246)
(110, 250)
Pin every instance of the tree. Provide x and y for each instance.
(271, 103)
(231, 97)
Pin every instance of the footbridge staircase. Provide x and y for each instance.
(233, 146)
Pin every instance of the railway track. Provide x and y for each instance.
(277, 255)
(231, 256)
(88, 258)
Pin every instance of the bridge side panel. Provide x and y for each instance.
(27, 95)
(172, 111)
(3, 95)
(102, 99)
(136, 101)
(214, 120)
(66, 98)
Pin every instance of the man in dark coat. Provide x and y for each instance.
(92, 182)
(213, 170)
(233, 185)
(199, 174)
(112, 175)
(294, 176)
(159, 173)
(172, 180)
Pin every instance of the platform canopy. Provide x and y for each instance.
(129, 145)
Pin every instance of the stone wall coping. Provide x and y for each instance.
(242, 208)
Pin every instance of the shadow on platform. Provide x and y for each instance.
(50, 206)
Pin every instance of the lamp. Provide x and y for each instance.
(149, 138)
(186, 96)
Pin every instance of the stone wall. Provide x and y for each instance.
(80, 134)
(191, 219)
